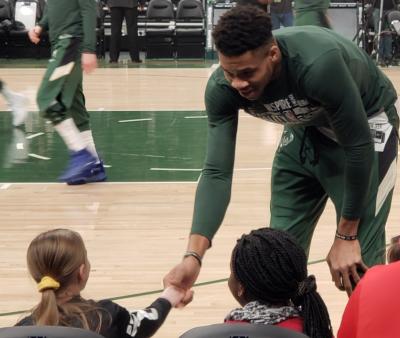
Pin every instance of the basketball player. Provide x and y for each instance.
(311, 12)
(71, 25)
(339, 139)
(17, 103)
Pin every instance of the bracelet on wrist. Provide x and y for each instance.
(346, 237)
(193, 254)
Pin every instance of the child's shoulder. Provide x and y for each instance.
(110, 306)
(26, 321)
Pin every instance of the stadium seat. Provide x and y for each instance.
(241, 331)
(189, 32)
(159, 29)
(46, 331)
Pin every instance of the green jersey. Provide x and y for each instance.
(311, 5)
(326, 81)
(71, 18)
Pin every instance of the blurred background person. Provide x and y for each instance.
(385, 49)
(311, 12)
(281, 13)
(120, 10)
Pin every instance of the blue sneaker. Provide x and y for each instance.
(92, 173)
(79, 162)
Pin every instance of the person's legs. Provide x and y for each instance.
(117, 15)
(17, 103)
(387, 47)
(276, 23)
(132, 28)
(287, 19)
(297, 198)
(60, 91)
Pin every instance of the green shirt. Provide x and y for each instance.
(76, 18)
(311, 5)
(326, 81)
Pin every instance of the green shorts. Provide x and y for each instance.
(300, 190)
(60, 95)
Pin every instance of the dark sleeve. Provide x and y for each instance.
(330, 83)
(139, 323)
(89, 17)
(214, 188)
(44, 21)
(27, 321)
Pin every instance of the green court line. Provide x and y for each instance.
(135, 295)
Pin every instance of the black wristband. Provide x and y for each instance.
(346, 237)
(193, 254)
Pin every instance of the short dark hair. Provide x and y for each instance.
(393, 254)
(242, 29)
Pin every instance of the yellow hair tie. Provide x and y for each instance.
(47, 283)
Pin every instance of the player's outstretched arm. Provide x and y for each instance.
(184, 274)
(344, 258)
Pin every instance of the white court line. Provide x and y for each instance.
(196, 117)
(34, 135)
(134, 120)
(5, 186)
(39, 157)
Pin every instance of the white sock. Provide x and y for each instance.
(87, 137)
(70, 135)
(8, 94)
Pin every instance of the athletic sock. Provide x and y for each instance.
(87, 138)
(70, 135)
(8, 94)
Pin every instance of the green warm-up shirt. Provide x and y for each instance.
(311, 5)
(326, 81)
(74, 18)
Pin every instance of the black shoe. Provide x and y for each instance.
(137, 61)
(113, 61)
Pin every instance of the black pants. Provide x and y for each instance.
(117, 16)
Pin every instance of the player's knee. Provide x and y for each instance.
(55, 113)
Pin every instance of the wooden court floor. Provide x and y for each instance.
(136, 231)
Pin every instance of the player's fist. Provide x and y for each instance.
(34, 34)
(89, 62)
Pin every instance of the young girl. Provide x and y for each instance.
(393, 253)
(57, 261)
(269, 280)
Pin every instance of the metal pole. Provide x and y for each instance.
(379, 29)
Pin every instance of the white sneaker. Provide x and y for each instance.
(17, 103)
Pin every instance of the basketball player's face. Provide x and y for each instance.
(250, 72)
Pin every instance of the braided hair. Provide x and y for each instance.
(272, 268)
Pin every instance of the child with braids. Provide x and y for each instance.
(57, 261)
(269, 280)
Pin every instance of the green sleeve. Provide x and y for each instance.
(88, 12)
(44, 21)
(330, 83)
(214, 188)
